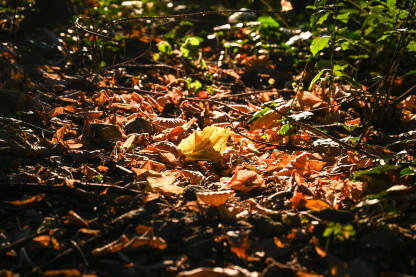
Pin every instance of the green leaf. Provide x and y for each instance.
(319, 44)
(190, 47)
(268, 22)
(319, 18)
(408, 171)
(344, 17)
(259, 114)
(339, 69)
(380, 169)
(411, 47)
(284, 130)
(195, 86)
(164, 47)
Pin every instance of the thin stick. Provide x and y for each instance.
(278, 146)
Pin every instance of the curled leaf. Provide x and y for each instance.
(214, 198)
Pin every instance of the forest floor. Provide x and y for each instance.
(134, 170)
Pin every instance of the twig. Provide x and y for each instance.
(250, 93)
(33, 187)
(399, 98)
(278, 146)
(320, 133)
(79, 26)
(17, 121)
(216, 102)
(136, 90)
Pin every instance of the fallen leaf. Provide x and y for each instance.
(298, 201)
(316, 204)
(245, 180)
(286, 5)
(309, 100)
(215, 198)
(163, 184)
(208, 144)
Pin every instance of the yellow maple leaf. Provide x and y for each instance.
(208, 144)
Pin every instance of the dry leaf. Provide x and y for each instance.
(316, 204)
(208, 144)
(164, 185)
(286, 5)
(245, 180)
(309, 100)
(215, 198)
(298, 201)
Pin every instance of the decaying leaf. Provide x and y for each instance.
(208, 144)
(164, 184)
(299, 201)
(245, 180)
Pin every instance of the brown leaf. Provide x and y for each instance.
(163, 184)
(308, 100)
(245, 180)
(304, 164)
(61, 110)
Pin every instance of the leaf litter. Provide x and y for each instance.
(119, 179)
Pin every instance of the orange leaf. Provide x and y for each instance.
(316, 204)
(47, 241)
(298, 201)
(245, 180)
(215, 198)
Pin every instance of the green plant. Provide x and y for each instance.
(97, 178)
(352, 35)
(338, 232)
